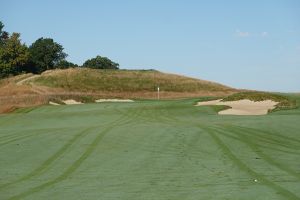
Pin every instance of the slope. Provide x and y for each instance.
(86, 84)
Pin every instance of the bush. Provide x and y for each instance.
(100, 63)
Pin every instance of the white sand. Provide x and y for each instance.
(113, 100)
(243, 107)
(71, 102)
(54, 104)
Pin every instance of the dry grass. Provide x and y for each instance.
(12, 103)
(123, 80)
(85, 85)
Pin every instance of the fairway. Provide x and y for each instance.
(148, 150)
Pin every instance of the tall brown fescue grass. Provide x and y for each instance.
(86, 85)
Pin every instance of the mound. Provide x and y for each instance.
(252, 103)
(243, 107)
(124, 81)
(284, 102)
(87, 85)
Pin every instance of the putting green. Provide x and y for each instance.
(148, 150)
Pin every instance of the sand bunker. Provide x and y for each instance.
(71, 102)
(53, 103)
(243, 107)
(113, 100)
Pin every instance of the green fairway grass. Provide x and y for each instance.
(148, 150)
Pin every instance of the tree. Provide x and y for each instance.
(45, 54)
(3, 34)
(13, 56)
(63, 64)
(100, 63)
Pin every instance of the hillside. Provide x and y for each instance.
(85, 84)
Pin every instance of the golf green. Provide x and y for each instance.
(148, 150)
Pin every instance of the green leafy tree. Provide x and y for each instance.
(100, 63)
(65, 64)
(13, 56)
(45, 54)
(3, 34)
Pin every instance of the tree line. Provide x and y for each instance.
(43, 54)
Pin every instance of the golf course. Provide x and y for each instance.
(150, 100)
(148, 149)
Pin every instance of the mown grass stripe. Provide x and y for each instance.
(285, 138)
(249, 142)
(16, 137)
(76, 164)
(49, 161)
(280, 190)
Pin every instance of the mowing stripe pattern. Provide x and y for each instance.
(148, 150)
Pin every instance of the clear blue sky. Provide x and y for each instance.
(245, 44)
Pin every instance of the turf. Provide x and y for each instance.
(148, 150)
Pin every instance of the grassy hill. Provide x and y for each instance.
(87, 84)
(125, 81)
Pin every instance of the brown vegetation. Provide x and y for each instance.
(87, 85)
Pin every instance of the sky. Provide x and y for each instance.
(243, 44)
